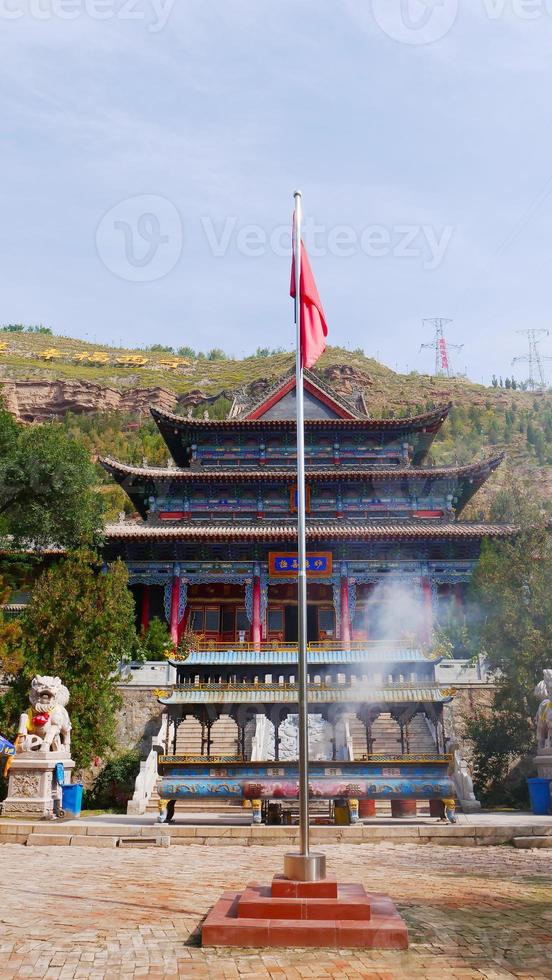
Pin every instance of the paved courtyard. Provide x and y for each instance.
(95, 913)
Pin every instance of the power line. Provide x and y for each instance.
(443, 365)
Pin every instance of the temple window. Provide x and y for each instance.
(275, 623)
(326, 622)
(196, 620)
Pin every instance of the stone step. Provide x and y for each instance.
(386, 736)
(224, 737)
(527, 842)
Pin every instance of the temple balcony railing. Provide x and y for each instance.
(210, 646)
(354, 687)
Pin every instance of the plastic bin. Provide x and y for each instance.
(539, 794)
(71, 799)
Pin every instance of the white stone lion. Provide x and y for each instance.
(544, 714)
(45, 726)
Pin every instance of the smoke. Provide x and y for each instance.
(395, 613)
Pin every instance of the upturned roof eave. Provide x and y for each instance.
(416, 422)
(393, 530)
(120, 471)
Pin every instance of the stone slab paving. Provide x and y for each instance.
(85, 913)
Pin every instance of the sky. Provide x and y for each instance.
(151, 148)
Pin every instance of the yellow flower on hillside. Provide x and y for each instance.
(50, 354)
(172, 363)
(92, 357)
(132, 360)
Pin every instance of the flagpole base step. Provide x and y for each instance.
(305, 867)
(299, 913)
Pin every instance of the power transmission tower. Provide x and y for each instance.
(443, 366)
(536, 380)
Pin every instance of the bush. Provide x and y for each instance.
(114, 785)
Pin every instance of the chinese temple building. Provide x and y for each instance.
(388, 559)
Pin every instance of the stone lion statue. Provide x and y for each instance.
(544, 714)
(45, 726)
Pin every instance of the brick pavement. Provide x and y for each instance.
(472, 912)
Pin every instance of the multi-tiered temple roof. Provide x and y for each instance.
(234, 479)
(215, 553)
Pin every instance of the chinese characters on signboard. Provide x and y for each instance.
(286, 563)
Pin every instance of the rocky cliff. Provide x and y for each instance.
(37, 400)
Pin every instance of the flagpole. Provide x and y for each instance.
(305, 866)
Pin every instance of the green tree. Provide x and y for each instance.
(511, 590)
(153, 643)
(80, 627)
(47, 486)
(11, 657)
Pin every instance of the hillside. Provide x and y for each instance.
(102, 394)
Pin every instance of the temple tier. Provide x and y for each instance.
(215, 555)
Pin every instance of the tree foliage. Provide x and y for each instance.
(511, 587)
(47, 486)
(80, 627)
(154, 643)
(11, 637)
(114, 784)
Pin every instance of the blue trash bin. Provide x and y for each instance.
(539, 794)
(71, 799)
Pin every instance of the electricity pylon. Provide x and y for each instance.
(443, 366)
(536, 380)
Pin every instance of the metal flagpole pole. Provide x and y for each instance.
(304, 866)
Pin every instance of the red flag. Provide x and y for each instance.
(314, 328)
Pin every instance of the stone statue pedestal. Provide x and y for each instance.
(31, 783)
(543, 762)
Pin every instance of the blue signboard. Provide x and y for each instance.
(286, 563)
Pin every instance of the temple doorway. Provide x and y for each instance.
(291, 624)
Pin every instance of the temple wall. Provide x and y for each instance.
(139, 718)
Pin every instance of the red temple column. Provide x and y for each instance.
(256, 622)
(145, 611)
(175, 602)
(345, 618)
(428, 611)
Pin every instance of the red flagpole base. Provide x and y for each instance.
(305, 913)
